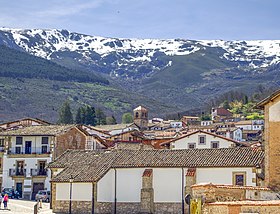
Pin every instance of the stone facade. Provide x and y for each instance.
(72, 139)
(147, 192)
(271, 143)
(168, 208)
(221, 193)
(246, 207)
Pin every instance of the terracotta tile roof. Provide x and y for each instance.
(223, 112)
(42, 130)
(113, 127)
(147, 173)
(92, 165)
(43, 122)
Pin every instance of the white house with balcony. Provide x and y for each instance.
(27, 152)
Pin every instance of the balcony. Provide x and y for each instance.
(29, 150)
(38, 172)
(17, 172)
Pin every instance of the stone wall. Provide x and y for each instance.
(213, 193)
(72, 139)
(168, 208)
(242, 207)
(77, 207)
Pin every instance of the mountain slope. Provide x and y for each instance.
(173, 74)
(20, 64)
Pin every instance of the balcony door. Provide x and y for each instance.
(19, 189)
(28, 147)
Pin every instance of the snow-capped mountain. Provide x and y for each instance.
(135, 58)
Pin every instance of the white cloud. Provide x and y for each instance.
(68, 8)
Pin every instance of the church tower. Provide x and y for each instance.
(140, 117)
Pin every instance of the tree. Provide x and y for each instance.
(127, 118)
(100, 117)
(78, 118)
(90, 116)
(65, 114)
(111, 120)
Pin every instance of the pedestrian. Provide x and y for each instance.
(0, 200)
(5, 201)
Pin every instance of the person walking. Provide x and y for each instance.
(5, 201)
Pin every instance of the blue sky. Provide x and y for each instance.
(187, 19)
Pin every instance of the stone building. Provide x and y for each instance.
(140, 117)
(271, 106)
(147, 181)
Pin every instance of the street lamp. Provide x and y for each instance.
(70, 202)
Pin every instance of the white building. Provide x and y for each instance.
(27, 151)
(250, 124)
(148, 181)
(201, 140)
(206, 122)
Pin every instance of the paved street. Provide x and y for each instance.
(24, 207)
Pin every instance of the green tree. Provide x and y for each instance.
(127, 118)
(78, 118)
(90, 115)
(100, 117)
(111, 120)
(65, 114)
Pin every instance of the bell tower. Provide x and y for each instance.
(140, 117)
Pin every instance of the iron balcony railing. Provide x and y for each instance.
(38, 172)
(29, 150)
(17, 172)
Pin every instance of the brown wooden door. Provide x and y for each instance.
(36, 188)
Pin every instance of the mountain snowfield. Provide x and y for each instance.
(49, 43)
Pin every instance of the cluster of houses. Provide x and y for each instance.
(147, 166)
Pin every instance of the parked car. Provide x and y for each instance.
(11, 193)
(44, 195)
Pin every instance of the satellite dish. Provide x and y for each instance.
(188, 199)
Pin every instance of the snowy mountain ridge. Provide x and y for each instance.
(125, 55)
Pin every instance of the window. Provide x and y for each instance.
(18, 150)
(18, 140)
(1, 142)
(214, 144)
(239, 178)
(136, 114)
(202, 139)
(191, 146)
(45, 140)
(44, 149)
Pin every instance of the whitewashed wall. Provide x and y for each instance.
(223, 175)
(30, 163)
(105, 187)
(274, 112)
(167, 183)
(183, 143)
(80, 191)
(129, 184)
